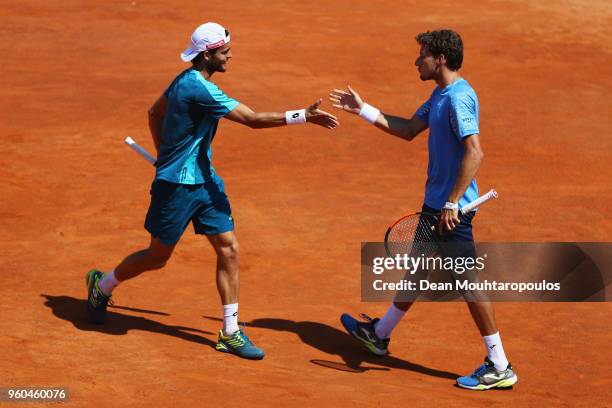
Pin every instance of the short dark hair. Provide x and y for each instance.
(198, 58)
(447, 42)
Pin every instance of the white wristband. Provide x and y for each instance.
(295, 117)
(450, 206)
(369, 113)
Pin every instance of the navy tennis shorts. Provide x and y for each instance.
(461, 239)
(173, 206)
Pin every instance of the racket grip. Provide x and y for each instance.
(480, 200)
(138, 149)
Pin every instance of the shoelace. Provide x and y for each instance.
(481, 370)
(365, 317)
(242, 335)
(100, 298)
(102, 295)
(239, 339)
(245, 338)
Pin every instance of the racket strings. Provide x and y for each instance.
(414, 236)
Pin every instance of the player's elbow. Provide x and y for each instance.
(473, 149)
(152, 114)
(250, 119)
(477, 155)
(410, 132)
(255, 122)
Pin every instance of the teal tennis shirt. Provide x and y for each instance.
(452, 115)
(195, 106)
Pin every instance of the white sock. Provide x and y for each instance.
(108, 283)
(495, 351)
(230, 319)
(386, 325)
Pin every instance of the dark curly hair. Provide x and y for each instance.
(447, 42)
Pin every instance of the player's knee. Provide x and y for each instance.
(158, 254)
(158, 263)
(230, 252)
(158, 260)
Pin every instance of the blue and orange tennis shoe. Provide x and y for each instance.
(240, 345)
(364, 333)
(487, 376)
(96, 300)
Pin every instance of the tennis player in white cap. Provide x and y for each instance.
(183, 123)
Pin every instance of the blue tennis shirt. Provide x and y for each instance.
(452, 115)
(195, 106)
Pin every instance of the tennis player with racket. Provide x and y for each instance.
(455, 154)
(183, 123)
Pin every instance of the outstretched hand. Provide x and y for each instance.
(319, 117)
(349, 101)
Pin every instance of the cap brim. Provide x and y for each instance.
(189, 54)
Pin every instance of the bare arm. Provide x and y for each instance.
(406, 129)
(156, 120)
(469, 167)
(403, 128)
(258, 120)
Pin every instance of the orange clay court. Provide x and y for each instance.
(77, 78)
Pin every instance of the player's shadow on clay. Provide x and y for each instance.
(333, 341)
(75, 311)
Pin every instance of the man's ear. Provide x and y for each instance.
(441, 59)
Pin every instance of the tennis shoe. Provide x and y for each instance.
(240, 345)
(96, 300)
(365, 333)
(487, 376)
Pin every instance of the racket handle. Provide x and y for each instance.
(480, 200)
(138, 149)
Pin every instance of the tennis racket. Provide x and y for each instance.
(418, 233)
(140, 150)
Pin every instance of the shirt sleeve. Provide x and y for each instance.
(464, 115)
(214, 101)
(423, 112)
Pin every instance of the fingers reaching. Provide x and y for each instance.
(315, 105)
(319, 117)
(348, 101)
(322, 118)
(339, 92)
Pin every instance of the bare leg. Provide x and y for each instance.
(484, 317)
(482, 313)
(228, 271)
(403, 305)
(154, 257)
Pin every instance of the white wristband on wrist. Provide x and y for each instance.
(450, 206)
(295, 117)
(369, 113)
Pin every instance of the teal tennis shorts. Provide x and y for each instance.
(173, 206)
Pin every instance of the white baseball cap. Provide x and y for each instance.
(206, 37)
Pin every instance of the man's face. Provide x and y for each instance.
(218, 60)
(427, 64)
